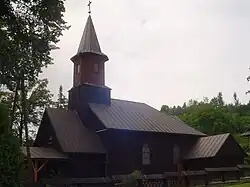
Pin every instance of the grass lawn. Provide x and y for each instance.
(239, 185)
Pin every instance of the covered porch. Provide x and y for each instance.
(46, 162)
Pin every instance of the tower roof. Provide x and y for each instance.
(89, 42)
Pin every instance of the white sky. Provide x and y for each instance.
(162, 51)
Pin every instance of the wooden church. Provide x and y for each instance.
(100, 136)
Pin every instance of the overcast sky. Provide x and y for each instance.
(162, 51)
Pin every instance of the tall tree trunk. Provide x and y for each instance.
(14, 106)
(25, 118)
(21, 129)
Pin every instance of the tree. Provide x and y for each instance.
(62, 101)
(29, 31)
(218, 101)
(214, 116)
(38, 98)
(3, 118)
(11, 161)
(10, 156)
(236, 100)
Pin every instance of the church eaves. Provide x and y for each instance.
(89, 42)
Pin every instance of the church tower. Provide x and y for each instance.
(89, 72)
(89, 59)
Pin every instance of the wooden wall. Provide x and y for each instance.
(85, 165)
(200, 164)
(125, 150)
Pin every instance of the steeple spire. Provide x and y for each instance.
(89, 42)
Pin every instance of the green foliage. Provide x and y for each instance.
(4, 111)
(10, 156)
(132, 179)
(243, 141)
(39, 97)
(215, 116)
(29, 30)
(4, 120)
(11, 161)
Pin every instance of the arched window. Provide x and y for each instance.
(145, 155)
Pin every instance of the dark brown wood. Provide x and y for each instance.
(125, 153)
(195, 175)
(223, 173)
(81, 181)
(87, 70)
(44, 133)
(216, 162)
(222, 169)
(37, 168)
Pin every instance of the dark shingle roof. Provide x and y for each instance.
(136, 116)
(89, 41)
(72, 135)
(42, 152)
(207, 147)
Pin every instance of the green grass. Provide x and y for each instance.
(239, 185)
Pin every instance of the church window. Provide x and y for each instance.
(78, 68)
(176, 152)
(145, 155)
(96, 68)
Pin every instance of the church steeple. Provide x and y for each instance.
(89, 59)
(89, 42)
(89, 75)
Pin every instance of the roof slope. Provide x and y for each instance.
(128, 115)
(72, 135)
(207, 147)
(42, 152)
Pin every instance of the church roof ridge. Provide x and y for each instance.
(129, 101)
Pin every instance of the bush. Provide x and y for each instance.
(132, 179)
(11, 161)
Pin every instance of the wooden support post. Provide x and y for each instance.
(36, 169)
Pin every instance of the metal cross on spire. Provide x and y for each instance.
(89, 7)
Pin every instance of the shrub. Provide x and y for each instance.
(11, 161)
